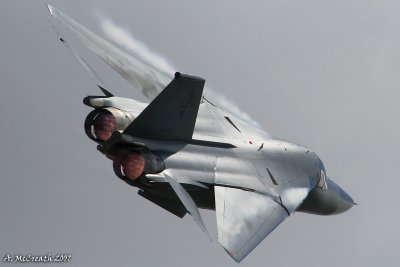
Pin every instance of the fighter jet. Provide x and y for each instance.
(184, 153)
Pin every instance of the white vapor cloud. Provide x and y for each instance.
(229, 105)
(124, 38)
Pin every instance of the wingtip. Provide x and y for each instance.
(233, 255)
(51, 9)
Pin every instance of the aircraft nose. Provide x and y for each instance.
(344, 200)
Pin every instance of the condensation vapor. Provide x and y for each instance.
(124, 38)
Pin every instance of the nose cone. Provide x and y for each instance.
(327, 200)
(343, 201)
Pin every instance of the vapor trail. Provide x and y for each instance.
(124, 38)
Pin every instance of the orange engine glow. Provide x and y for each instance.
(133, 165)
(104, 125)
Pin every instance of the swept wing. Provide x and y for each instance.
(244, 219)
(148, 80)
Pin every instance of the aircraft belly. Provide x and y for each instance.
(243, 173)
(189, 164)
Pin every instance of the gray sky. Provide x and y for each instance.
(320, 74)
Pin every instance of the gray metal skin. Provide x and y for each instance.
(242, 166)
(210, 160)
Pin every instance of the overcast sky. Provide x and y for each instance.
(324, 74)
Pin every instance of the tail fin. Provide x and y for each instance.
(172, 114)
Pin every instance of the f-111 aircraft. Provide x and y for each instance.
(184, 153)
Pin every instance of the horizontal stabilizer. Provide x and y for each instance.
(175, 208)
(172, 114)
(89, 70)
(187, 201)
(143, 77)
